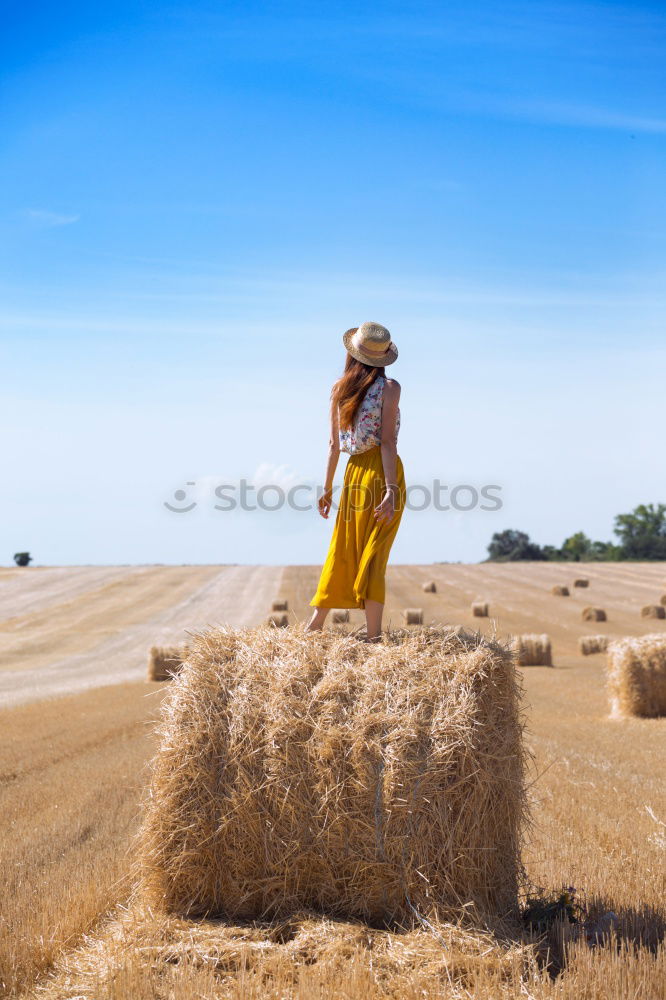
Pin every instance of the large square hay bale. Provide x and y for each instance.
(581, 581)
(480, 609)
(413, 616)
(164, 662)
(560, 591)
(637, 676)
(653, 611)
(589, 644)
(430, 587)
(532, 650)
(381, 781)
(593, 615)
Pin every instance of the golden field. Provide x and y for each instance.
(77, 734)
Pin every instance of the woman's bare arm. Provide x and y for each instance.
(389, 448)
(325, 501)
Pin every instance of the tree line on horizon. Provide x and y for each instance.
(641, 535)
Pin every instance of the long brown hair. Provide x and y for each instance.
(351, 387)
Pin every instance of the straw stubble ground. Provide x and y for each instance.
(70, 781)
(597, 796)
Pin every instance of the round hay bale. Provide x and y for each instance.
(636, 673)
(559, 590)
(653, 611)
(278, 621)
(413, 616)
(589, 644)
(480, 609)
(340, 617)
(581, 581)
(280, 605)
(367, 781)
(593, 615)
(532, 650)
(430, 587)
(164, 662)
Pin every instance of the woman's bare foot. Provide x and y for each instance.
(316, 623)
(373, 617)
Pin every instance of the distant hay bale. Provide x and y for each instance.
(589, 644)
(480, 609)
(340, 617)
(375, 782)
(164, 662)
(278, 621)
(532, 650)
(560, 591)
(593, 615)
(280, 605)
(430, 587)
(662, 599)
(413, 616)
(637, 676)
(653, 611)
(581, 581)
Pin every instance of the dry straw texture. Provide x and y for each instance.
(413, 616)
(278, 621)
(430, 587)
(653, 611)
(559, 591)
(164, 662)
(383, 782)
(340, 617)
(588, 644)
(480, 609)
(593, 615)
(533, 650)
(280, 605)
(581, 581)
(637, 676)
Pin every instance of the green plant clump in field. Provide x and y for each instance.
(542, 911)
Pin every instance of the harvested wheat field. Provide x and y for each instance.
(74, 772)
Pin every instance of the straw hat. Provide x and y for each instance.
(371, 344)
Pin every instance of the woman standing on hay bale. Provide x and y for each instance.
(365, 419)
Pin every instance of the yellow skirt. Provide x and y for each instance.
(355, 566)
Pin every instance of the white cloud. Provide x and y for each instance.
(564, 113)
(269, 474)
(48, 220)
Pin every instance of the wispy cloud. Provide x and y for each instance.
(48, 220)
(564, 113)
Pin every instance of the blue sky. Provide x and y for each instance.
(196, 201)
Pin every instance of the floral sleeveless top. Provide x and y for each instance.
(367, 430)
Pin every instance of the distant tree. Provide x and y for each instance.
(642, 533)
(604, 552)
(577, 547)
(22, 558)
(511, 545)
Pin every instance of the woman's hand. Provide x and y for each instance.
(324, 503)
(385, 510)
